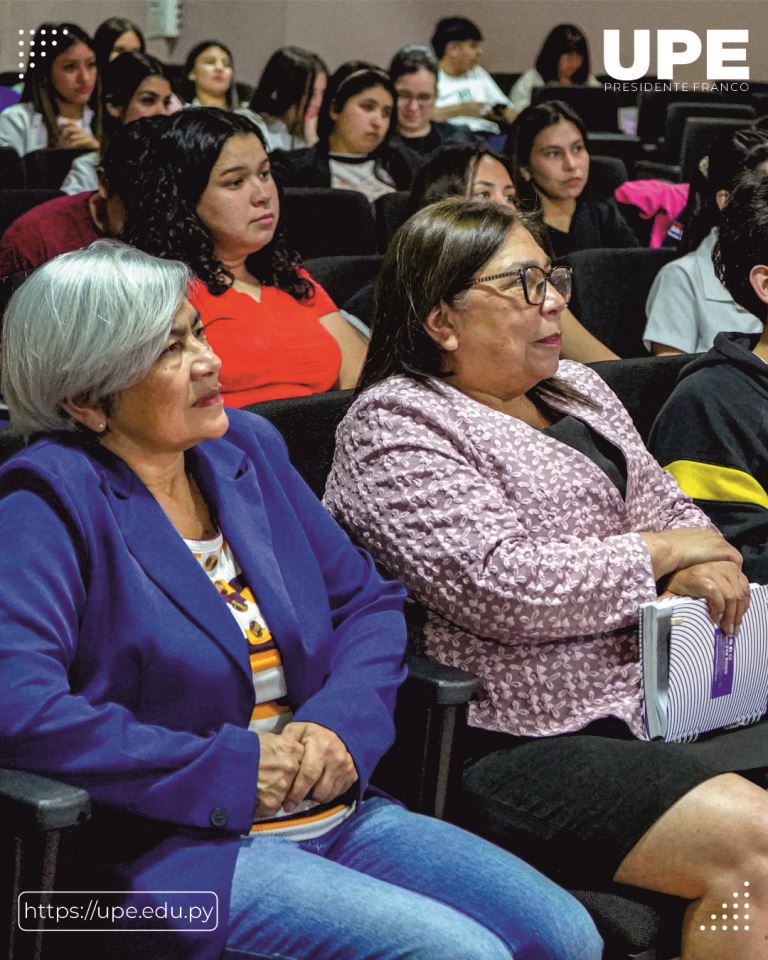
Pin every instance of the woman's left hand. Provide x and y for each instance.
(72, 137)
(326, 770)
(721, 583)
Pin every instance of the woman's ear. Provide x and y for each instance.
(721, 198)
(191, 75)
(440, 324)
(84, 411)
(758, 277)
(113, 111)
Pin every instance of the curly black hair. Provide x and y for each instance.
(163, 221)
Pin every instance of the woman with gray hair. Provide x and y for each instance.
(193, 639)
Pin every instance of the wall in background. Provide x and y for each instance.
(373, 29)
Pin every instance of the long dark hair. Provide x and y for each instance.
(728, 155)
(38, 86)
(187, 86)
(433, 257)
(106, 35)
(564, 38)
(527, 125)
(287, 81)
(120, 80)
(165, 221)
(352, 78)
(449, 172)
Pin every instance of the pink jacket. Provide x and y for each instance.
(655, 198)
(523, 548)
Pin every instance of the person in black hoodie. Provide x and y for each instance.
(712, 433)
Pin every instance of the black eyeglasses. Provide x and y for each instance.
(534, 281)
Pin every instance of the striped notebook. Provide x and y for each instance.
(695, 677)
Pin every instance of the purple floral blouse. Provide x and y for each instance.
(525, 552)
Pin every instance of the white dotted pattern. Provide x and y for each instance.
(31, 56)
(735, 916)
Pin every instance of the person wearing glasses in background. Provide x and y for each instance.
(511, 494)
(414, 73)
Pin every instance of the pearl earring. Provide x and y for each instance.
(102, 426)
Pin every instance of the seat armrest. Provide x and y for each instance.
(30, 803)
(435, 683)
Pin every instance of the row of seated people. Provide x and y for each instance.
(507, 490)
(158, 170)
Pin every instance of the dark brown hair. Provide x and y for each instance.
(432, 257)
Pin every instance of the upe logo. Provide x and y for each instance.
(675, 48)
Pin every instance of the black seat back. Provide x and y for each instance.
(328, 223)
(15, 202)
(46, 169)
(610, 288)
(698, 134)
(597, 107)
(341, 277)
(605, 174)
(678, 113)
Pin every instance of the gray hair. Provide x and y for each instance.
(85, 326)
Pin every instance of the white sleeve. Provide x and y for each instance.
(492, 92)
(520, 94)
(671, 310)
(82, 174)
(15, 128)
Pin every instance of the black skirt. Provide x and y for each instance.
(575, 805)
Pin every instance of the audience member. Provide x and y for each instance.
(69, 223)
(513, 496)
(550, 156)
(477, 173)
(209, 78)
(466, 93)
(133, 85)
(414, 73)
(164, 519)
(214, 205)
(58, 105)
(354, 129)
(710, 434)
(687, 305)
(563, 59)
(288, 97)
(115, 36)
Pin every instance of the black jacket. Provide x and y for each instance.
(712, 435)
(596, 223)
(310, 167)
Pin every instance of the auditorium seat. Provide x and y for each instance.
(13, 203)
(46, 169)
(341, 277)
(597, 107)
(322, 222)
(610, 288)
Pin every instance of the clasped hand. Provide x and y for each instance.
(721, 583)
(305, 760)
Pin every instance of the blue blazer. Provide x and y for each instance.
(123, 671)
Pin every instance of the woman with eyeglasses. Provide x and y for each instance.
(414, 71)
(512, 495)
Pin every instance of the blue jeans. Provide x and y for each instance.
(391, 884)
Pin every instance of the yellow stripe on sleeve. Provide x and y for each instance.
(709, 481)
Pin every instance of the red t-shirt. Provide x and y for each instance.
(276, 348)
(42, 233)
